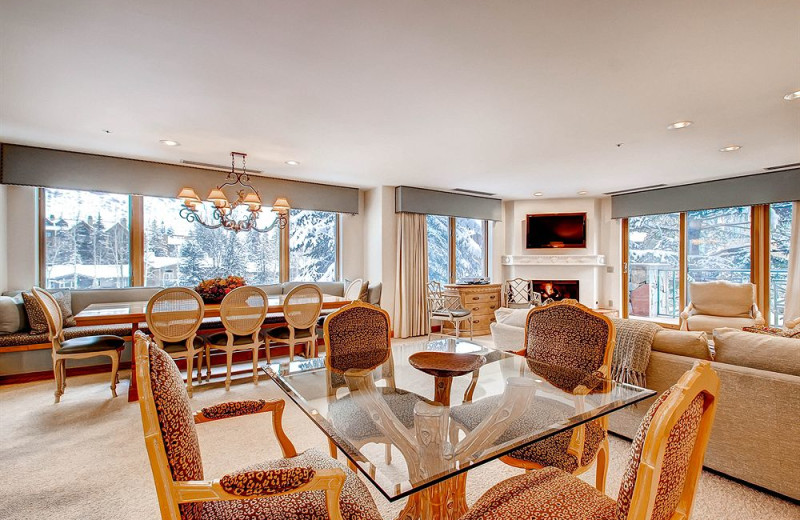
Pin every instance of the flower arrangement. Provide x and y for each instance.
(214, 290)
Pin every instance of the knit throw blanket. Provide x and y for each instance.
(632, 351)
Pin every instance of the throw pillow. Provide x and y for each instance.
(761, 351)
(364, 295)
(64, 299)
(774, 331)
(36, 317)
(512, 317)
(12, 315)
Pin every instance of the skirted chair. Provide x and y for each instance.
(446, 308)
(173, 317)
(301, 308)
(665, 463)
(76, 348)
(307, 485)
(242, 312)
(718, 304)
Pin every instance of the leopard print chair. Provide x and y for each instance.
(666, 460)
(302, 486)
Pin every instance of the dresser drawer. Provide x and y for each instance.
(472, 298)
(483, 307)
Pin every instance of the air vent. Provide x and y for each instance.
(782, 167)
(474, 192)
(209, 166)
(634, 190)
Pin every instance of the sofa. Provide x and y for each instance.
(17, 347)
(756, 434)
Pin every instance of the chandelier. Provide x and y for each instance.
(224, 214)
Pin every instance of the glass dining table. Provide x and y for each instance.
(414, 428)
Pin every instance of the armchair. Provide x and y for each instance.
(273, 489)
(719, 304)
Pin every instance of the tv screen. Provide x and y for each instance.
(556, 230)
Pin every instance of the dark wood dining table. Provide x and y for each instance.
(133, 313)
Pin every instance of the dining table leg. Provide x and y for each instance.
(446, 500)
(133, 390)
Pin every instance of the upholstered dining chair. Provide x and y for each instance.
(301, 308)
(569, 335)
(665, 463)
(304, 485)
(242, 312)
(173, 317)
(75, 348)
(446, 308)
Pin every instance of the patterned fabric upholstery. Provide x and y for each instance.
(24, 338)
(355, 423)
(232, 409)
(358, 338)
(565, 335)
(177, 424)
(553, 450)
(543, 494)
(680, 444)
(355, 502)
(269, 482)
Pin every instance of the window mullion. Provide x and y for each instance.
(452, 240)
(137, 240)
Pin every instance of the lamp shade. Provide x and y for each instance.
(281, 205)
(188, 194)
(252, 198)
(217, 197)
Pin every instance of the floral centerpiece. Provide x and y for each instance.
(214, 290)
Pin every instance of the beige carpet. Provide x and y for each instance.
(85, 459)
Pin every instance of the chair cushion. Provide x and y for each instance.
(702, 322)
(355, 423)
(355, 501)
(456, 313)
(722, 298)
(91, 344)
(174, 347)
(542, 494)
(220, 339)
(552, 451)
(23, 338)
(283, 333)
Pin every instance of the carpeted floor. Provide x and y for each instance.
(84, 458)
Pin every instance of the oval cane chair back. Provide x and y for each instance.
(357, 336)
(353, 291)
(243, 310)
(52, 313)
(302, 306)
(174, 314)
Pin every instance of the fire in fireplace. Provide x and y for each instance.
(556, 289)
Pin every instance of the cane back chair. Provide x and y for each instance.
(75, 348)
(301, 308)
(666, 459)
(354, 290)
(242, 312)
(274, 489)
(445, 308)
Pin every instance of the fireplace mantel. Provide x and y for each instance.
(566, 260)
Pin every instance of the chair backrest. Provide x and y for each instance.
(243, 310)
(174, 314)
(517, 292)
(353, 291)
(723, 298)
(667, 453)
(435, 297)
(570, 335)
(302, 306)
(169, 430)
(52, 313)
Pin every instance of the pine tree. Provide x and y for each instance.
(191, 264)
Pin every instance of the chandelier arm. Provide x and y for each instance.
(191, 215)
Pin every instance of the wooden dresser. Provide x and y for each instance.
(482, 300)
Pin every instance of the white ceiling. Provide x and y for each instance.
(508, 97)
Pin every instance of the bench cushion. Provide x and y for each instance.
(24, 338)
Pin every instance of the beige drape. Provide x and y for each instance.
(791, 313)
(410, 317)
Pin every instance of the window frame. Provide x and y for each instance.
(451, 230)
(137, 244)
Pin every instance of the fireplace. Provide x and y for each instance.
(556, 289)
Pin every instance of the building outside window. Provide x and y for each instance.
(780, 232)
(654, 266)
(86, 239)
(313, 242)
(438, 248)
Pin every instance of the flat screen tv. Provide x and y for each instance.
(556, 230)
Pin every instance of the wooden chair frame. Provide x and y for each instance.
(55, 332)
(311, 341)
(172, 493)
(578, 440)
(350, 289)
(438, 301)
(517, 289)
(188, 337)
(227, 310)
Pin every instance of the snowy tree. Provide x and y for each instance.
(438, 231)
(469, 248)
(312, 246)
(191, 264)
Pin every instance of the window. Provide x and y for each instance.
(470, 248)
(780, 231)
(313, 246)
(438, 248)
(654, 266)
(718, 245)
(86, 239)
(181, 253)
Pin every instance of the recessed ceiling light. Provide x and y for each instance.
(169, 142)
(679, 124)
(538, 194)
(106, 131)
(792, 95)
(582, 192)
(293, 163)
(731, 148)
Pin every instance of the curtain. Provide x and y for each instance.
(410, 316)
(791, 313)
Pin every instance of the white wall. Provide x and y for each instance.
(380, 242)
(3, 238)
(22, 243)
(352, 242)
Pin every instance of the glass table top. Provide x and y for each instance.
(390, 421)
